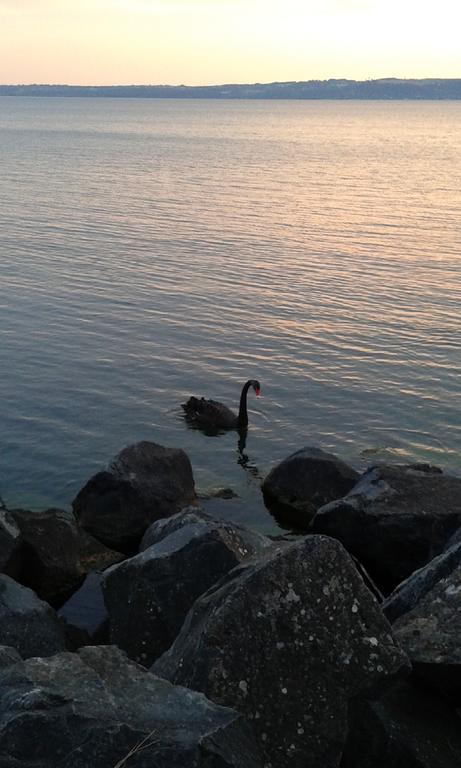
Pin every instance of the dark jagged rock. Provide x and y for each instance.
(148, 596)
(430, 631)
(10, 544)
(394, 520)
(26, 623)
(407, 595)
(94, 707)
(57, 554)
(406, 728)
(144, 483)
(289, 639)
(85, 616)
(296, 488)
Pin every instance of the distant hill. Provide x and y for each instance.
(385, 88)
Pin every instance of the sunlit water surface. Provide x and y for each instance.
(150, 250)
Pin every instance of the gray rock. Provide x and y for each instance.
(430, 633)
(252, 540)
(26, 623)
(144, 482)
(148, 596)
(8, 656)
(289, 639)
(407, 595)
(394, 520)
(296, 488)
(406, 728)
(10, 544)
(95, 707)
(57, 554)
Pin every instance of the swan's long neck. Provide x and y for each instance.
(243, 413)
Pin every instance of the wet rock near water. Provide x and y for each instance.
(148, 596)
(144, 483)
(395, 520)
(289, 639)
(94, 707)
(26, 623)
(57, 554)
(296, 488)
(406, 728)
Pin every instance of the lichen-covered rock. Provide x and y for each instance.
(26, 623)
(289, 639)
(394, 520)
(94, 708)
(10, 544)
(148, 596)
(406, 728)
(296, 488)
(431, 634)
(57, 554)
(143, 483)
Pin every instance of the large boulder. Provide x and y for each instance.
(288, 639)
(148, 596)
(406, 728)
(143, 483)
(394, 520)
(10, 544)
(57, 554)
(97, 709)
(430, 631)
(8, 656)
(26, 623)
(296, 488)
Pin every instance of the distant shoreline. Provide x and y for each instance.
(434, 89)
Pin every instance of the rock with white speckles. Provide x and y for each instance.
(26, 623)
(395, 520)
(148, 596)
(93, 708)
(430, 631)
(304, 481)
(406, 728)
(289, 638)
(144, 482)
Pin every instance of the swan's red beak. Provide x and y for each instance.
(258, 391)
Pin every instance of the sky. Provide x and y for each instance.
(193, 42)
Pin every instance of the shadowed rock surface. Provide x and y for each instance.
(57, 554)
(431, 635)
(296, 488)
(148, 596)
(8, 656)
(92, 708)
(10, 544)
(407, 728)
(85, 614)
(26, 623)
(144, 482)
(288, 639)
(394, 520)
(407, 595)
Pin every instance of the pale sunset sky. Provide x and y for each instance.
(106, 42)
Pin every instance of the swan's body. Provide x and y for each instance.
(210, 414)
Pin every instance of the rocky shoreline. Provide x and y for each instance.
(140, 631)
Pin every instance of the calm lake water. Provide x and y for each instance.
(154, 249)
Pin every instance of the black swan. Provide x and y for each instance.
(210, 414)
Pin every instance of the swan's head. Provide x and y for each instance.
(256, 386)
